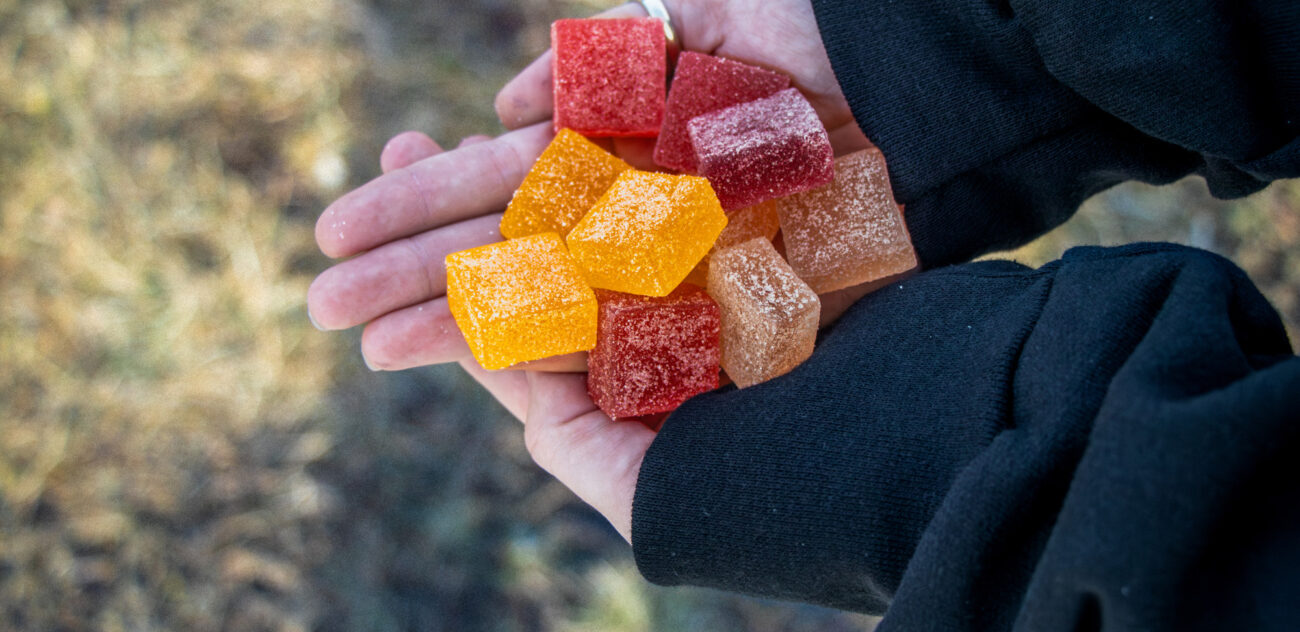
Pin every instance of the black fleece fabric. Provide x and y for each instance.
(1110, 442)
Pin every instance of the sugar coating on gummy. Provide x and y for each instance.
(850, 231)
(647, 232)
(519, 300)
(762, 150)
(702, 84)
(743, 225)
(652, 354)
(769, 316)
(609, 75)
(570, 175)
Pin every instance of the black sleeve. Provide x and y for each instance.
(1109, 442)
(998, 118)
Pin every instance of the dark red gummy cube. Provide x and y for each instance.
(610, 76)
(703, 84)
(651, 353)
(762, 150)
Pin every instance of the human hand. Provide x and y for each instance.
(430, 203)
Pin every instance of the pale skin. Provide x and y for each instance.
(430, 202)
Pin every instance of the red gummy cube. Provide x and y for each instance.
(651, 353)
(610, 76)
(703, 84)
(762, 150)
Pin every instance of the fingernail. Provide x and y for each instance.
(313, 321)
(368, 364)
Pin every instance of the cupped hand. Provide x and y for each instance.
(398, 229)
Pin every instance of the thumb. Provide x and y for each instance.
(595, 457)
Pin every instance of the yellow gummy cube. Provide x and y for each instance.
(647, 232)
(519, 300)
(570, 175)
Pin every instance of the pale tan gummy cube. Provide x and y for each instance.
(848, 232)
(769, 316)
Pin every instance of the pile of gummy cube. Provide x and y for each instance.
(669, 277)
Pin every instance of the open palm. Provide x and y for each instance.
(431, 202)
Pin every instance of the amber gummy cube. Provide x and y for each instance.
(743, 225)
(647, 232)
(651, 353)
(609, 76)
(570, 175)
(850, 231)
(769, 316)
(519, 300)
(702, 84)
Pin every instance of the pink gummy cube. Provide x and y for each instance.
(610, 76)
(703, 84)
(850, 231)
(763, 149)
(652, 354)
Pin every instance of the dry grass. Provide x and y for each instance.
(179, 450)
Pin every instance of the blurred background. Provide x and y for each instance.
(181, 450)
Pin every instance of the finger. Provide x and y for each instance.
(527, 99)
(567, 363)
(397, 274)
(446, 188)
(510, 388)
(406, 149)
(594, 456)
(418, 335)
(473, 140)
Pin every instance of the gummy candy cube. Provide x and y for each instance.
(561, 187)
(701, 84)
(743, 225)
(769, 316)
(610, 76)
(652, 354)
(647, 232)
(521, 299)
(763, 149)
(850, 231)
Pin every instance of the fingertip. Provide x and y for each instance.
(406, 149)
(319, 308)
(328, 236)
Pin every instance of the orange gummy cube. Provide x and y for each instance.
(647, 232)
(759, 220)
(519, 300)
(570, 175)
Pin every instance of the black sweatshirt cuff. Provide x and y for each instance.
(998, 119)
(771, 490)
